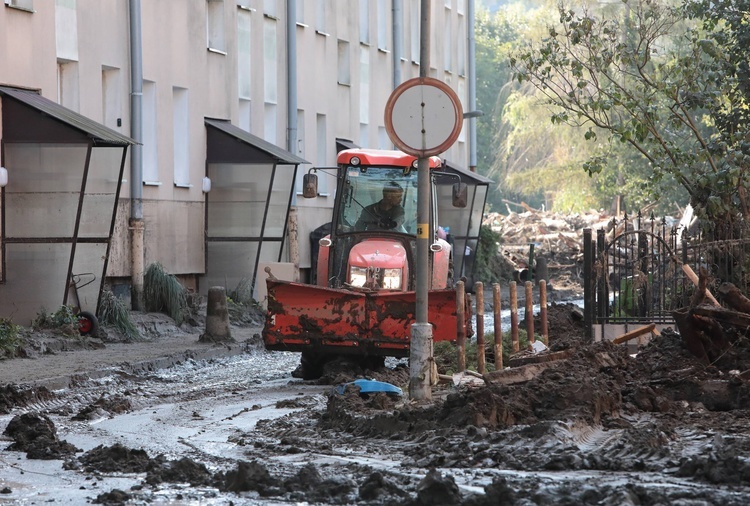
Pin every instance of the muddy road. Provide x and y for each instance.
(602, 427)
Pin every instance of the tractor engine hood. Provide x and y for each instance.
(379, 264)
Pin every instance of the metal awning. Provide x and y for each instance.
(342, 144)
(222, 146)
(466, 175)
(21, 126)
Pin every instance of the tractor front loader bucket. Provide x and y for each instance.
(305, 317)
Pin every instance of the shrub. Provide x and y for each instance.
(10, 339)
(446, 353)
(162, 293)
(113, 311)
(64, 319)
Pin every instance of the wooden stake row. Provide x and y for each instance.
(498, 331)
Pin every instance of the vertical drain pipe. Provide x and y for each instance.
(472, 87)
(291, 113)
(135, 223)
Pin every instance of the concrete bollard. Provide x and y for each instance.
(217, 317)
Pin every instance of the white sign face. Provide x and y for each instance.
(423, 117)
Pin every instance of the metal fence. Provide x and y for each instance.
(639, 269)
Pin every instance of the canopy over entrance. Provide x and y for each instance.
(247, 209)
(64, 179)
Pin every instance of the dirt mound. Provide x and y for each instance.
(342, 370)
(104, 406)
(115, 459)
(36, 435)
(184, 470)
(249, 476)
(12, 396)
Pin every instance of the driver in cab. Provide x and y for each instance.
(385, 214)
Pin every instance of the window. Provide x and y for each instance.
(448, 35)
(300, 148)
(364, 135)
(270, 62)
(364, 85)
(269, 8)
(461, 92)
(364, 21)
(382, 25)
(27, 5)
(67, 84)
(414, 30)
(150, 153)
(321, 148)
(215, 25)
(344, 71)
(111, 101)
(461, 45)
(66, 30)
(269, 123)
(384, 142)
(181, 136)
(246, 115)
(244, 54)
(320, 17)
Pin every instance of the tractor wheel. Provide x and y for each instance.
(88, 324)
(310, 367)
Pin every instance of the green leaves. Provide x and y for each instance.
(671, 84)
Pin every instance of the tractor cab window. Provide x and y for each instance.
(378, 199)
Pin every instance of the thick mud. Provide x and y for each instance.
(598, 427)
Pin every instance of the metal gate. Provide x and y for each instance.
(639, 270)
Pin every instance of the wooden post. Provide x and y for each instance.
(530, 312)
(513, 315)
(543, 310)
(479, 290)
(498, 327)
(293, 241)
(460, 319)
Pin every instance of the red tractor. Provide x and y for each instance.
(363, 303)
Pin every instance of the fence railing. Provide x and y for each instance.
(643, 269)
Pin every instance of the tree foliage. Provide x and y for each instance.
(650, 77)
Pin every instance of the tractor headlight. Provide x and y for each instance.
(392, 279)
(357, 276)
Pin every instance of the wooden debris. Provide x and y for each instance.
(514, 375)
(627, 336)
(540, 358)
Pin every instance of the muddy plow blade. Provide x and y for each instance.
(311, 318)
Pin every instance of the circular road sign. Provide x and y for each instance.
(423, 117)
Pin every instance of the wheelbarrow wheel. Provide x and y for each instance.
(88, 324)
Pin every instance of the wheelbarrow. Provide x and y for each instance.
(88, 324)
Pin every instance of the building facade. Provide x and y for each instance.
(284, 79)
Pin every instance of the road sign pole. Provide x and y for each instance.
(423, 117)
(420, 352)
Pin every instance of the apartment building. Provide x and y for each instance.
(178, 131)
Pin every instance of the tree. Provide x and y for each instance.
(650, 78)
(494, 35)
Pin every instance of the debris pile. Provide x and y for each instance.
(558, 238)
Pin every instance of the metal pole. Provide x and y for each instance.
(472, 86)
(136, 223)
(420, 355)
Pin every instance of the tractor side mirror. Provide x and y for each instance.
(460, 195)
(310, 185)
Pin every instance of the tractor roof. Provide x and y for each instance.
(382, 157)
